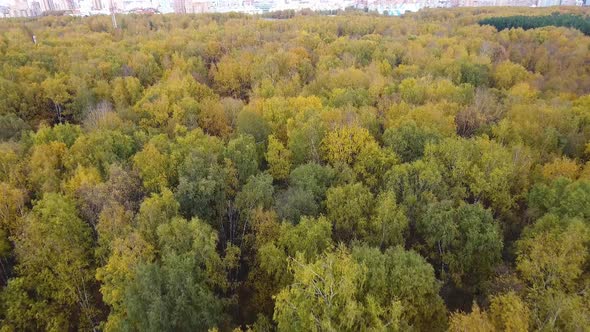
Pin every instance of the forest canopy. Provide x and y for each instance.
(352, 172)
(579, 22)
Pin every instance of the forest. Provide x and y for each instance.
(352, 172)
(532, 22)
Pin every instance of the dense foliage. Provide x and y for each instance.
(579, 22)
(317, 173)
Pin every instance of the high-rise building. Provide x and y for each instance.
(47, 5)
(4, 11)
(179, 6)
(35, 8)
(20, 8)
(97, 5)
(115, 5)
(62, 4)
(197, 6)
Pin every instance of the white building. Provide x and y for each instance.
(20, 8)
(548, 3)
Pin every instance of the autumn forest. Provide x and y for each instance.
(348, 172)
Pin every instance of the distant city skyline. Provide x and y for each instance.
(28, 8)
